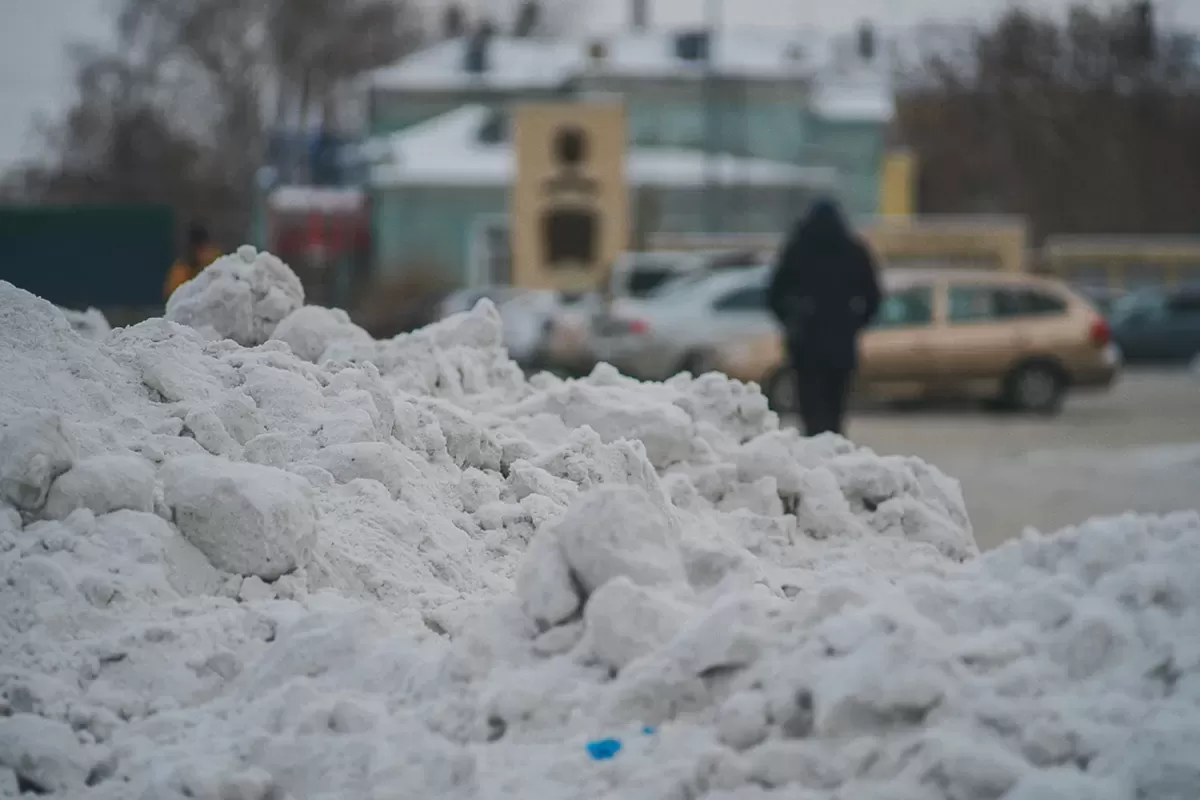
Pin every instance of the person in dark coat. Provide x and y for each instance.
(824, 292)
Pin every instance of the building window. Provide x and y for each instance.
(491, 253)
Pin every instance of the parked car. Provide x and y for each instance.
(1017, 339)
(637, 274)
(1159, 325)
(568, 347)
(678, 325)
(1104, 299)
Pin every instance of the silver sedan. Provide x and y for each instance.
(677, 326)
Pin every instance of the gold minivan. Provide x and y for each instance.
(1017, 339)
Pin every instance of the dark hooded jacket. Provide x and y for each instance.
(824, 290)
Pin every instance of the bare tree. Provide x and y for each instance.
(179, 111)
(540, 18)
(1087, 126)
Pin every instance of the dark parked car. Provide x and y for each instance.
(1105, 300)
(1159, 325)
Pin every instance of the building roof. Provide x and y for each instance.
(753, 53)
(746, 52)
(447, 150)
(513, 63)
(851, 98)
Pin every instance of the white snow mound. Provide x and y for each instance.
(327, 567)
(242, 297)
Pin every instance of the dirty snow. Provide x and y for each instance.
(320, 566)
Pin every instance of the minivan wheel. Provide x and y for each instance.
(1037, 389)
(780, 389)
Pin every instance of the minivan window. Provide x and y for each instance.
(984, 303)
(906, 308)
(973, 304)
(1029, 303)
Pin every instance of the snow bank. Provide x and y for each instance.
(327, 567)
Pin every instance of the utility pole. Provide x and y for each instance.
(712, 121)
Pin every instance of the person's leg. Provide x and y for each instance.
(810, 388)
(808, 397)
(837, 390)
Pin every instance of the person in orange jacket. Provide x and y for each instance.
(200, 253)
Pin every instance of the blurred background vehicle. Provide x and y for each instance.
(640, 274)
(678, 324)
(637, 274)
(1159, 325)
(567, 350)
(1018, 340)
(1102, 297)
(559, 332)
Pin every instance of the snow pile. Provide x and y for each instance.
(399, 569)
(240, 297)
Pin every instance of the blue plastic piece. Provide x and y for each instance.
(603, 749)
(649, 731)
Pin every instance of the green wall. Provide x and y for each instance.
(429, 227)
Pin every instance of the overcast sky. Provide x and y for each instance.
(35, 75)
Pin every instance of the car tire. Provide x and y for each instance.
(1036, 388)
(697, 363)
(780, 391)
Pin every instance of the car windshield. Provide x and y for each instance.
(678, 282)
(728, 277)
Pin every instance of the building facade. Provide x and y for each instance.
(755, 123)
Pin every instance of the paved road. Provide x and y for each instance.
(1134, 448)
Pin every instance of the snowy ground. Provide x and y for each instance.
(1135, 448)
(248, 553)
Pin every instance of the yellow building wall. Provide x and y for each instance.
(898, 185)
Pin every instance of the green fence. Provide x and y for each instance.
(107, 257)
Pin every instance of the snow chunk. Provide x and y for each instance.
(34, 450)
(625, 621)
(371, 460)
(247, 519)
(242, 297)
(617, 413)
(311, 330)
(743, 720)
(544, 583)
(103, 484)
(616, 530)
(44, 753)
